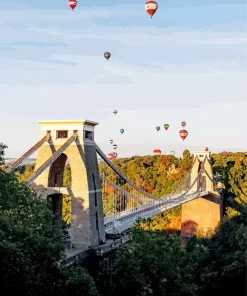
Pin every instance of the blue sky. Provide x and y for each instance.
(187, 63)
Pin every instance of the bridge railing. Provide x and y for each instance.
(164, 204)
(119, 224)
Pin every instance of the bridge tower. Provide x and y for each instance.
(87, 224)
(204, 213)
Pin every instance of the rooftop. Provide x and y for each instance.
(69, 122)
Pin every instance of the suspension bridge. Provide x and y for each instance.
(101, 206)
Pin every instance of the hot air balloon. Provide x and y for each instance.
(115, 146)
(157, 152)
(151, 7)
(107, 55)
(166, 126)
(121, 130)
(173, 153)
(114, 154)
(157, 128)
(183, 134)
(111, 141)
(110, 156)
(72, 4)
(115, 112)
(183, 123)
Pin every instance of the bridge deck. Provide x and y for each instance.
(76, 255)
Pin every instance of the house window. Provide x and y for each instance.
(62, 134)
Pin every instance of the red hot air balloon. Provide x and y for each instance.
(157, 152)
(114, 154)
(151, 7)
(72, 4)
(206, 149)
(183, 134)
(110, 156)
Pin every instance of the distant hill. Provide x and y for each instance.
(27, 161)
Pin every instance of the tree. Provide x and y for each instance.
(159, 222)
(232, 167)
(224, 266)
(28, 246)
(154, 264)
(30, 250)
(2, 153)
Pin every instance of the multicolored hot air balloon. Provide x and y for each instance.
(115, 112)
(107, 55)
(151, 7)
(121, 130)
(157, 152)
(157, 128)
(183, 123)
(183, 134)
(115, 146)
(72, 4)
(166, 126)
(111, 141)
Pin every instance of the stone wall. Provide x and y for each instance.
(87, 210)
(200, 216)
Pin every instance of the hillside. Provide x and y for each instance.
(159, 175)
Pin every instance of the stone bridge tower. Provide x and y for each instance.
(204, 213)
(202, 166)
(87, 224)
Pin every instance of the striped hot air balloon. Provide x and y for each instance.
(183, 123)
(107, 55)
(157, 152)
(183, 134)
(166, 126)
(151, 7)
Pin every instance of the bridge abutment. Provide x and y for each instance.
(87, 219)
(202, 215)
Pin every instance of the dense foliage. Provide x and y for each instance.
(30, 249)
(154, 174)
(157, 175)
(152, 264)
(2, 153)
(224, 264)
(155, 264)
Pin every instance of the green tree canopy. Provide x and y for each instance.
(3, 147)
(30, 251)
(154, 264)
